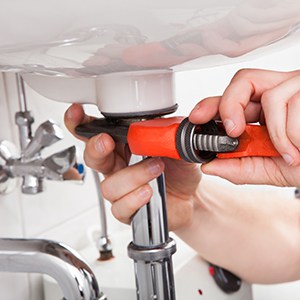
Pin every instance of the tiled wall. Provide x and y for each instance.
(66, 210)
(63, 212)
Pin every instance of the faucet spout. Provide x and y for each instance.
(72, 274)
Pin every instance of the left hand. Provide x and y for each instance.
(182, 178)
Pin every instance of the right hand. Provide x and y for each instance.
(271, 98)
(126, 187)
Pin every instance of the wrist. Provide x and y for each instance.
(258, 232)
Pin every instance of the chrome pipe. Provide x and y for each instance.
(101, 203)
(23, 117)
(21, 93)
(24, 120)
(103, 243)
(72, 274)
(151, 248)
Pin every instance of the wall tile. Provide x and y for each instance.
(12, 286)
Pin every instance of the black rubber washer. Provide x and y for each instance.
(184, 141)
(142, 114)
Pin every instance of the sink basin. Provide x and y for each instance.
(89, 38)
(76, 51)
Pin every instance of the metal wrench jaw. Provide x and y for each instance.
(117, 129)
(201, 143)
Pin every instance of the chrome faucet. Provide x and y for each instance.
(63, 264)
(29, 164)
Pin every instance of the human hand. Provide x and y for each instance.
(268, 97)
(104, 155)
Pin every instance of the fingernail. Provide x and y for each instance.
(99, 144)
(154, 167)
(143, 193)
(229, 125)
(288, 159)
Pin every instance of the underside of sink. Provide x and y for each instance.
(91, 38)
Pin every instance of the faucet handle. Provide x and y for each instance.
(46, 134)
(64, 166)
(59, 163)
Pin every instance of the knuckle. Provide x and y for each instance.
(116, 213)
(267, 98)
(86, 158)
(293, 135)
(149, 190)
(294, 100)
(243, 73)
(277, 135)
(105, 190)
(293, 126)
(132, 206)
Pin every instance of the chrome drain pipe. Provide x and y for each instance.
(152, 248)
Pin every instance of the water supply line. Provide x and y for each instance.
(103, 243)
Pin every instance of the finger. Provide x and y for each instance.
(247, 85)
(99, 153)
(205, 110)
(275, 107)
(246, 170)
(253, 112)
(126, 207)
(74, 116)
(233, 104)
(130, 178)
(293, 121)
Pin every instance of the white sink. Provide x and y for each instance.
(75, 44)
(93, 37)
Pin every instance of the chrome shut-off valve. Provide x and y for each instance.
(30, 165)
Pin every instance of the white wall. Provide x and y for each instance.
(65, 210)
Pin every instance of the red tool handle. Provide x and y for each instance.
(154, 137)
(158, 138)
(255, 141)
